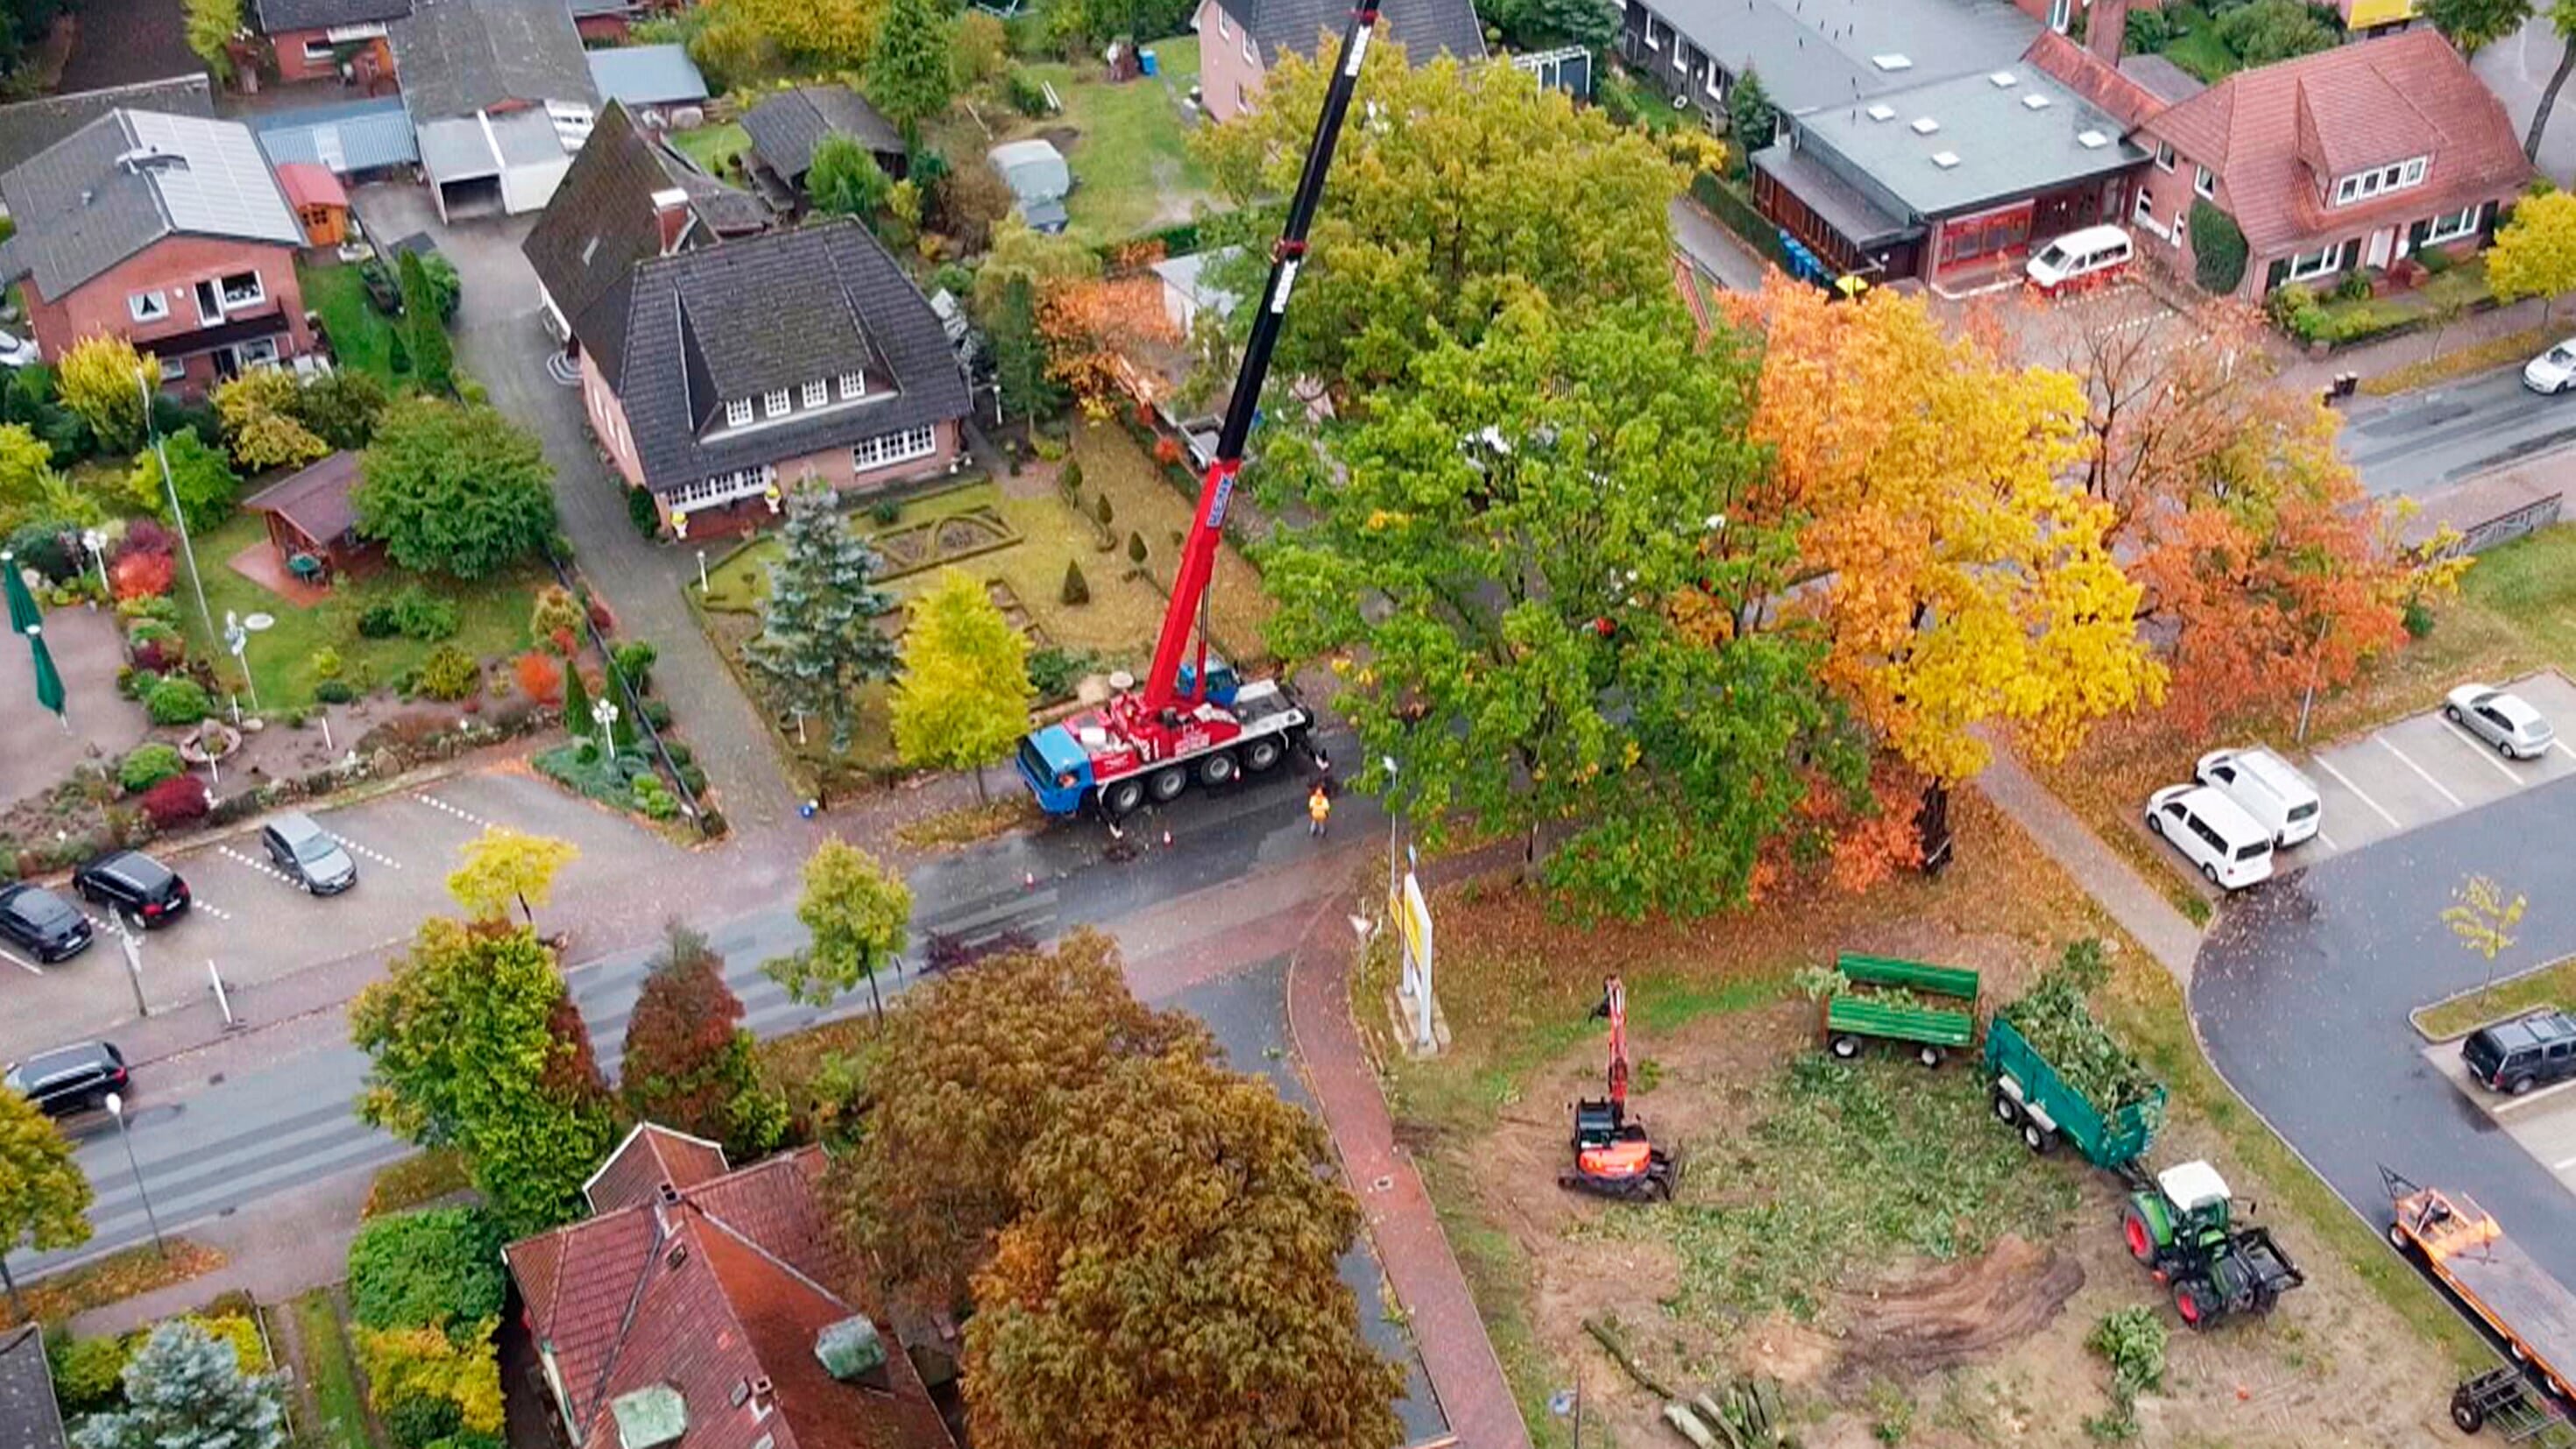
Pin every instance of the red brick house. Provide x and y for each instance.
(2341, 161)
(701, 1307)
(330, 39)
(170, 231)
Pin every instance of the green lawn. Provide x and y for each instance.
(1131, 170)
(361, 336)
(2197, 47)
(2551, 986)
(330, 1375)
(713, 147)
(493, 619)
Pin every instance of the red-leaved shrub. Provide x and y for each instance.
(143, 535)
(600, 619)
(160, 656)
(142, 575)
(1167, 450)
(540, 676)
(179, 800)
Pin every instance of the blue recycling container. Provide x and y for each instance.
(1146, 61)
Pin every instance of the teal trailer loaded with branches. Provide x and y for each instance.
(2030, 1095)
(1932, 1009)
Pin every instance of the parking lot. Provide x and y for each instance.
(255, 925)
(2542, 1123)
(2425, 768)
(2123, 320)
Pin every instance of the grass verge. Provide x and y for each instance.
(968, 824)
(123, 1274)
(2495, 352)
(2457, 1016)
(330, 1375)
(714, 148)
(361, 337)
(419, 1178)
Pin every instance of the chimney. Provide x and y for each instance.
(671, 215)
(2106, 26)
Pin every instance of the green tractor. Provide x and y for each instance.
(2181, 1225)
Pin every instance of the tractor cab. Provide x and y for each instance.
(2197, 1196)
(2182, 1225)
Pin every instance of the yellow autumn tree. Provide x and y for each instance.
(1959, 575)
(2535, 254)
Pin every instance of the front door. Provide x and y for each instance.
(2380, 242)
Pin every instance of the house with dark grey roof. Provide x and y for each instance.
(170, 231)
(786, 128)
(1239, 40)
(329, 39)
(627, 198)
(500, 98)
(30, 126)
(729, 373)
(30, 1417)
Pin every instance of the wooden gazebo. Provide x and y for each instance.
(313, 522)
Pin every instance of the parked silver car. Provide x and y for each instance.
(2501, 719)
(309, 855)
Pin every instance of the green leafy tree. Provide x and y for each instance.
(2473, 25)
(258, 413)
(1529, 193)
(44, 1196)
(1172, 1277)
(503, 866)
(1538, 555)
(2218, 250)
(1029, 390)
(688, 1063)
(857, 913)
(432, 1266)
(818, 639)
(963, 1079)
(1750, 115)
(1546, 24)
(909, 77)
(202, 475)
(185, 1389)
(2269, 31)
(27, 474)
(341, 407)
(2535, 254)
(576, 700)
(846, 180)
(424, 328)
(102, 381)
(454, 488)
(474, 1043)
(963, 699)
(212, 26)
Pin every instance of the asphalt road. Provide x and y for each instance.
(2302, 992)
(2417, 442)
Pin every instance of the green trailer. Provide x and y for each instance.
(1910, 1010)
(2030, 1096)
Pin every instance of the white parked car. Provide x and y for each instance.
(2213, 833)
(2084, 257)
(2267, 787)
(17, 351)
(2500, 719)
(2552, 371)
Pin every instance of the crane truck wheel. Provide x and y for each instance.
(1217, 769)
(1122, 798)
(1260, 755)
(1168, 783)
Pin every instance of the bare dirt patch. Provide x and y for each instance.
(1948, 1314)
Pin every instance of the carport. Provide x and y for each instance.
(484, 164)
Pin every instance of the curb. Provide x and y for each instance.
(2415, 1018)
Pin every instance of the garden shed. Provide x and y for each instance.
(312, 521)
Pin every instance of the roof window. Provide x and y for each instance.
(1945, 159)
(1925, 125)
(1892, 61)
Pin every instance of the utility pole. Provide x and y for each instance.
(178, 515)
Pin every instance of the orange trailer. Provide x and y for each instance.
(2466, 1248)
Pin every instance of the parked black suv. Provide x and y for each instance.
(136, 884)
(42, 922)
(72, 1079)
(2515, 1056)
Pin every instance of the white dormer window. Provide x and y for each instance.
(2363, 185)
(817, 394)
(854, 386)
(1224, 27)
(2414, 173)
(774, 404)
(2204, 181)
(738, 413)
(148, 306)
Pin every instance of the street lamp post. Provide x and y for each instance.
(604, 714)
(116, 1109)
(96, 543)
(178, 515)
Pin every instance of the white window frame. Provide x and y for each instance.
(2363, 185)
(887, 449)
(2204, 182)
(153, 306)
(720, 488)
(1247, 52)
(2181, 223)
(1651, 42)
(1224, 27)
(774, 404)
(2326, 262)
(173, 368)
(854, 386)
(258, 352)
(738, 413)
(2467, 217)
(2145, 212)
(2414, 173)
(2061, 15)
(1711, 83)
(224, 289)
(318, 52)
(817, 393)
(2164, 156)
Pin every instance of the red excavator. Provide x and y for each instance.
(1613, 1157)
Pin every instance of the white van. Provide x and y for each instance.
(2212, 833)
(2080, 258)
(2266, 787)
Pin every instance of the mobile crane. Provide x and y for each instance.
(1194, 720)
(1613, 1156)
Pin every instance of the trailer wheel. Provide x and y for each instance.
(1216, 769)
(2514, 1350)
(1928, 1055)
(1122, 798)
(2397, 1239)
(2466, 1416)
(2134, 1232)
(2037, 1138)
(1260, 755)
(2192, 1304)
(1844, 1045)
(1169, 782)
(2007, 1111)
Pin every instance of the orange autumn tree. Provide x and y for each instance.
(1087, 322)
(1960, 580)
(2264, 567)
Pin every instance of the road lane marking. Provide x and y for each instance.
(2420, 772)
(2474, 743)
(218, 912)
(2562, 1167)
(468, 816)
(2329, 840)
(2357, 792)
(21, 965)
(386, 861)
(263, 867)
(2561, 747)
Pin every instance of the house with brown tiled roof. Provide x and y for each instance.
(2349, 159)
(703, 1306)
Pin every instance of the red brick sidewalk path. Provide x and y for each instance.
(1465, 1376)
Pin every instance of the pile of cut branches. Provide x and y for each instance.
(2054, 1017)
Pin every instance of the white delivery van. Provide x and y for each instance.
(2213, 834)
(2266, 787)
(2082, 257)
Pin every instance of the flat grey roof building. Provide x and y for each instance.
(1971, 141)
(1816, 53)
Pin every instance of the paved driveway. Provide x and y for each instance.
(87, 653)
(2424, 769)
